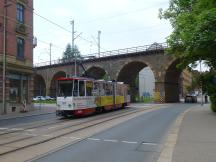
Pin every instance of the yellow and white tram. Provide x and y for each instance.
(84, 96)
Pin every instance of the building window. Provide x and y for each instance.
(18, 88)
(20, 47)
(20, 13)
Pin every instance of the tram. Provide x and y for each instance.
(81, 96)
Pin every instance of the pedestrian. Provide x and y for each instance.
(206, 99)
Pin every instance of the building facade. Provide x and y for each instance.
(185, 82)
(146, 82)
(16, 55)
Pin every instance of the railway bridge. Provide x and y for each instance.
(120, 65)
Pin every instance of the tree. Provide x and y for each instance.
(194, 36)
(209, 87)
(194, 32)
(71, 53)
(195, 84)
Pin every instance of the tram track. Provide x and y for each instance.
(62, 128)
(31, 127)
(39, 125)
(82, 126)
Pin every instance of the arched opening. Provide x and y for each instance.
(176, 82)
(96, 73)
(39, 86)
(133, 75)
(53, 83)
(146, 84)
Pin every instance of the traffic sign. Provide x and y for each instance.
(214, 80)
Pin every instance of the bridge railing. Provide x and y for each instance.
(152, 47)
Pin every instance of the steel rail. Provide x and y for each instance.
(69, 132)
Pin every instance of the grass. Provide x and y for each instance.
(144, 99)
(45, 102)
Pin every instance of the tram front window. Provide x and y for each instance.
(65, 89)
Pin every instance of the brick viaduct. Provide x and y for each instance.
(123, 66)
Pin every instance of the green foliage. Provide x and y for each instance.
(106, 77)
(194, 36)
(71, 53)
(195, 81)
(209, 87)
(194, 31)
(207, 83)
(213, 103)
(45, 102)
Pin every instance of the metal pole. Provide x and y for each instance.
(4, 55)
(50, 53)
(4, 63)
(201, 84)
(99, 33)
(40, 96)
(72, 23)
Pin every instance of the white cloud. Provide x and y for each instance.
(124, 23)
(62, 12)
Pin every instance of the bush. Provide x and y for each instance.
(213, 103)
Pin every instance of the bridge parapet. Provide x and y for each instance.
(132, 50)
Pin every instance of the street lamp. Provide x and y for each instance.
(72, 23)
(4, 56)
(99, 34)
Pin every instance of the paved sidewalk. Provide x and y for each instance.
(38, 110)
(197, 136)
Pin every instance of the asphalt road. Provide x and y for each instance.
(137, 140)
(27, 119)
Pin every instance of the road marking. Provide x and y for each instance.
(30, 130)
(149, 143)
(47, 135)
(4, 128)
(94, 139)
(51, 127)
(16, 129)
(31, 134)
(129, 142)
(107, 140)
(77, 138)
(65, 137)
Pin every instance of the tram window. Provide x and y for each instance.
(108, 89)
(81, 88)
(96, 89)
(102, 89)
(75, 90)
(65, 89)
(89, 88)
(119, 90)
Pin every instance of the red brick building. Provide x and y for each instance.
(16, 54)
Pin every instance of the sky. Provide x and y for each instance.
(123, 24)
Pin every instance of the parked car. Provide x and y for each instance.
(38, 98)
(49, 98)
(191, 98)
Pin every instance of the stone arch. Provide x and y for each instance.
(53, 82)
(128, 74)
(172, 84)
(39, 85)
(96, 72)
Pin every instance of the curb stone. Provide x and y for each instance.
(167, 151)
